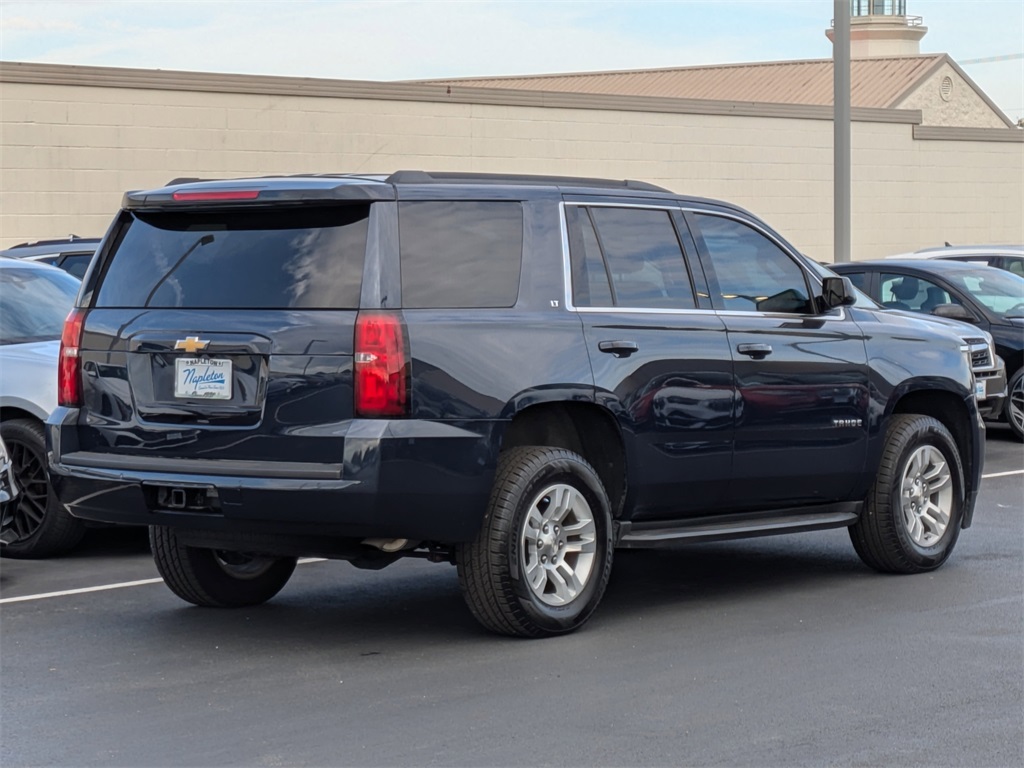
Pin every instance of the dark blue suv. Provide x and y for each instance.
(514, 374)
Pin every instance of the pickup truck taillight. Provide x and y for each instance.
(69, 364)
(381, 373)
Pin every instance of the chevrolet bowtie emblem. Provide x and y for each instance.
(191, 344)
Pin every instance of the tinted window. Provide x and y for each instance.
(267, 259)
(642, 254)
(859, 279)
(590, 277)
(35, 303)
(460, 253)
(912, 293)
(753, 272)
(76, 264)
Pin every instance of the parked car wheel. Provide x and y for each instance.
(912, 518)
(1015, 404)
(541, 560)
(40, 527)
(215, 578)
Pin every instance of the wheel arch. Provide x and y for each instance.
(19, 409)
(583, 428)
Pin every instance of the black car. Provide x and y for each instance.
(514, 374)
(990, 298)
(72, 253)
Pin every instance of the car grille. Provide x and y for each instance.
(981, 355)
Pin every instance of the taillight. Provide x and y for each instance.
(221, 195)
(380, 366)
(69, 365)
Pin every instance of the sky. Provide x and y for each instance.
(421, 39)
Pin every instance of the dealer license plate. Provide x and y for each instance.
(980, 390)
(202, 378)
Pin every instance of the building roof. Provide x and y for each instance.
(877, 82)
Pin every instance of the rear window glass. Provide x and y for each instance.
(460, 253)
(260, 259)
(34, 303)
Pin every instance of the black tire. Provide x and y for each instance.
(1014, 409)
(883, 536)
(41, 526)
(495, 568)
(215, 578)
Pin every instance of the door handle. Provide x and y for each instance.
(756, 351)
(619, 348)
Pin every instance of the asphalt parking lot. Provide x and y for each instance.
(774, 651)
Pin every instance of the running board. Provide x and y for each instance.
(737, 526)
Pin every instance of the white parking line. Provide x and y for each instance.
(80, 591)
(1004, 474)
(105, 587)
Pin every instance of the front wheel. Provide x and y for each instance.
(217, 578)
(912, 517)
(541, 560)
(1015, 404)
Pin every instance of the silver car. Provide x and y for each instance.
(34, 301)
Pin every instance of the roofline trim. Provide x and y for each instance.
(920, 79)
(947, 133)
(945, 58)
(977, 89)
(642, 70)
(212, 82)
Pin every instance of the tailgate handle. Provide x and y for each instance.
(619, 348)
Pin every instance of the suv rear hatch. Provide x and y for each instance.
(223, 334)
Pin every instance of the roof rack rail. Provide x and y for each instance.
(455, 177)
(59, 241)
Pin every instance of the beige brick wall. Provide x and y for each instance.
(962, 107)
(68, 152)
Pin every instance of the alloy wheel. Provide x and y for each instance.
(926, 496)
(30, 475)
(1016, 405)
(559, 543)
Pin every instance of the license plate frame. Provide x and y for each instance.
(202, 378)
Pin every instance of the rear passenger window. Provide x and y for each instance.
(460, 254)
(859, 280)
(630, 258)
(255, 259)
(753, 272)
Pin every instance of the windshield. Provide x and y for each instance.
(34, 304)
(1000, 291)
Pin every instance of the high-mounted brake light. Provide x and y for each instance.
(381, 373)
(69, 364)
(222, 195)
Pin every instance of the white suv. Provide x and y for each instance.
(1008, 257)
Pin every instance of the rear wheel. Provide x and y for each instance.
(912, 517)
(217, 578)
(41, 527)
(540, 563)
(1015, 404)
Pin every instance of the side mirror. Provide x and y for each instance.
(837, 292)
(954, 312)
